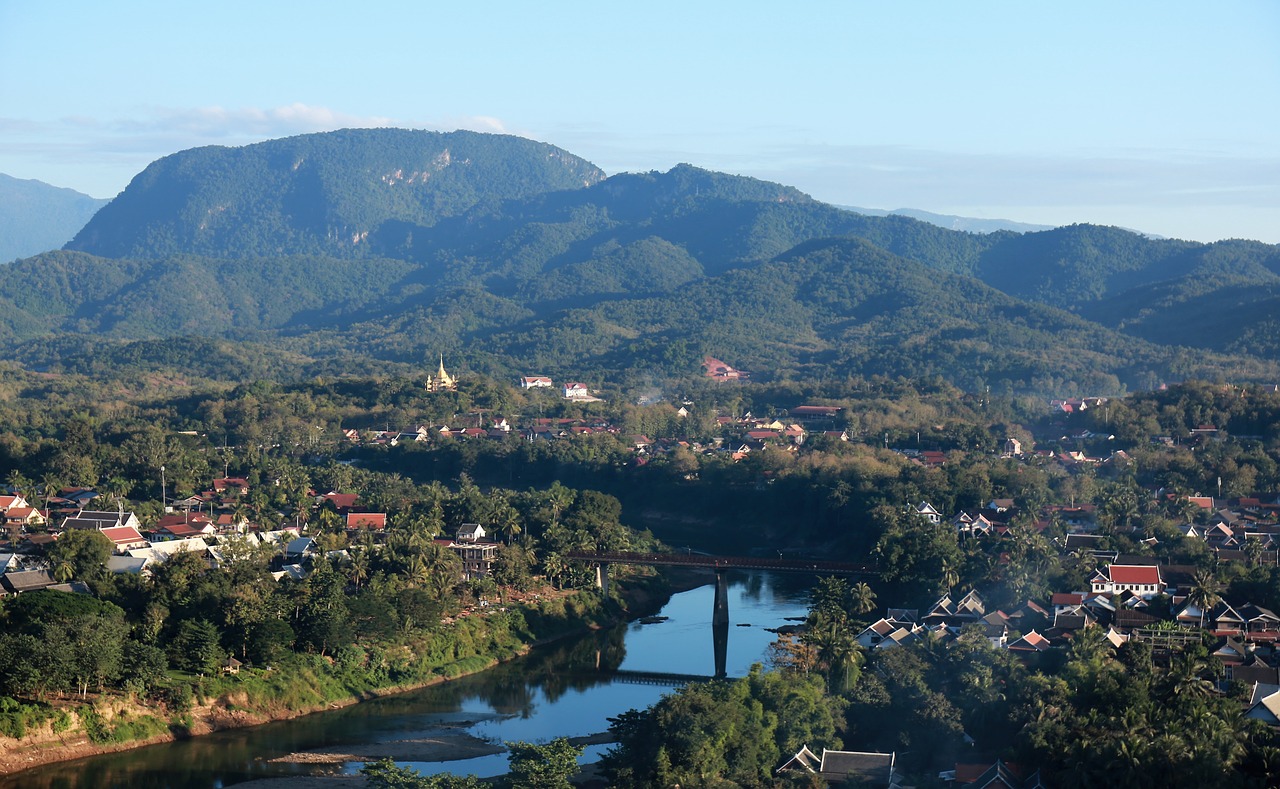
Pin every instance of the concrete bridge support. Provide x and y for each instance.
(602, 578)
(720, 624)
(720, 611)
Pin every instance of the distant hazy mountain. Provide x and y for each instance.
(36, 217)
(321, 193)
(964, 223)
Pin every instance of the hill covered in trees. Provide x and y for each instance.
(36, 217)
(320, 193)
(390, 246)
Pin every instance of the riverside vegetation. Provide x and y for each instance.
(318, 273)
(388, 614)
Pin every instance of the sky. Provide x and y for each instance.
(1163, 117)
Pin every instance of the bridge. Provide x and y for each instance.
(657, 678)
(720, 565)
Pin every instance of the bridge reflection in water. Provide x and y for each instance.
(720, 565)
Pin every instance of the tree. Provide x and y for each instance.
(196, 647)
(385, 774)
(1205, 593)
(548, 766)
(80, 553)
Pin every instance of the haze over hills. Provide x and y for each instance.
(514, 257)
(36, 217)
(968, 224)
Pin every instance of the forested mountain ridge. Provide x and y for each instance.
(36, 217)
(512, 255)
(320, 193)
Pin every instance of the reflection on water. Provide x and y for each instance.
(561, 690)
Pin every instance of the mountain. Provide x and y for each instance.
(320, 193)
(967, 224)
(514, 256)
(35, 217)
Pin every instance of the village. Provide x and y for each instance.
(1104, 565)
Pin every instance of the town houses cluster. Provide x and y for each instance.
(210, 525)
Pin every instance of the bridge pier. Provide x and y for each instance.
(602, 578)
(720, 608)
(720, 624)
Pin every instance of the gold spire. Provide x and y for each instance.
(442, 381)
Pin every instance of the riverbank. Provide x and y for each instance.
(261, 700)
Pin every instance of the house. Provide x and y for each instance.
(880, 630)
(176, 528)
(1264, 704)
(854, 767)
(235, 485)
(81, 496)
(128, 565)
(125, 539)
(341, 501)
(1030, 644)
(1142, 580)
(9, 502)
(1000, 775)
(578, 392)
(367, 520)
(477, 558)
(945, 611)
(931, 458)
(99, 520)
(27, 581)
(471, 532)
(162, 551)
(535, 382)
(298, 549)
(926, 511)
(230, 523)
(23, 516)
(294, 572)
(719, 371)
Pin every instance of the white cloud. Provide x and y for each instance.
(221, 122)
(100, 155)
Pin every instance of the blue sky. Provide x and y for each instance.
(1159, 116)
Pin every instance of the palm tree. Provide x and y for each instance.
(560, 498)
(862, 599)
(63, 570)
(950, 576)
(21, 485)
(51, 485)
(1204, 594)
(358, 570)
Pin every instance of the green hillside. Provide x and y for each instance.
(36, 217)
(320, 193)
(390, 246)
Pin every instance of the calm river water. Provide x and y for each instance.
(555, 691)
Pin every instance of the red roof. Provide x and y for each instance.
(1134, 574)
(1066, 598)
(342, 500)
(123, 535)
(366, 520)
(185, 529)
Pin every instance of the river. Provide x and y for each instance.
(568, 689)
